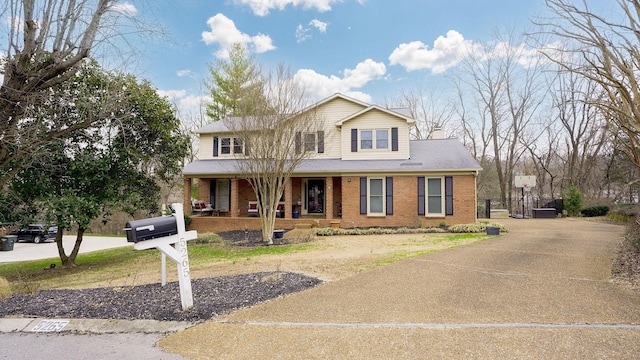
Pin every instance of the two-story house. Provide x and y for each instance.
(365, 171)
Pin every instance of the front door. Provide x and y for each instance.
(313, 196)
(221, 194)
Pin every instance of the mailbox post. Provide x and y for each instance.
(161, 233)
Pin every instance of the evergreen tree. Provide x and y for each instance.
(235, 85)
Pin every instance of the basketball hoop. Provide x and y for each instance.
(525, 182)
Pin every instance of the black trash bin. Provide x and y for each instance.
(493, 230)
(8, 241)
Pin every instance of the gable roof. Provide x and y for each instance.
(220, 126)
(339, 96)
(408, 119)
(440, 155)
(214, 127)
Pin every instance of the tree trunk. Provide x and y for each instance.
(76, 247)
(64, 259)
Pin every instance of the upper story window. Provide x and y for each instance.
(238, 146)
(310, 142)
(374, 139)
(227, 145)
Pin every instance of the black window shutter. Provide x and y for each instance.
(215, 146)
(229, 202)
(363, 195)
(212, 193)
(320, 142)
(354, 140)
(448, 192)
(389, 191)
(394, 139)
(421, 198)
(298, 142)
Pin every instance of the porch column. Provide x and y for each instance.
(186, 196)
(204, 190)
(235, 206)
(288, 198)
(328, 211)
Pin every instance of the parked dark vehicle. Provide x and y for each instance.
(37, 233)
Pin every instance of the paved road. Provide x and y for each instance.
(542, 291)
(102, 340)
(24, 251)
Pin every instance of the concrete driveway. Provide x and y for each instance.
(24, 251)
(541, 292)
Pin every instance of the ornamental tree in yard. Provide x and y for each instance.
(275, 139)
(116, 164)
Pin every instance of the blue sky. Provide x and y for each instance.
(368, 49)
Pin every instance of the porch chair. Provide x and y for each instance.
(252, 210)
(199, 207)
(280, 210)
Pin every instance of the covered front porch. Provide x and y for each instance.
(306, 200)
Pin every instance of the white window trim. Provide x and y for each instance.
(426, 198)
(315, 142)
(242, 148)
(374, 139)
(384, 197)
(232, 145)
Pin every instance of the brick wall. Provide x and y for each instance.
(405, 204)
(347, 195)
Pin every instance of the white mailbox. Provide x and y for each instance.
(167, 234)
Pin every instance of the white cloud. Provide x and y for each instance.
(172, 95)
(263, 7)
(320, 25)
(224, 33)
(125, 8)
(14, 23)
(302, 33)
(185, 72)
(187, 105)
(447, 52)
(318, 85)
(525, 56)
(191, 104)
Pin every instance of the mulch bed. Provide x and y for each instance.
(211, 297)
(247, 238)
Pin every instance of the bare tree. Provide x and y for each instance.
(47, 43)
(543, 152)
(584, 131)
(430, 112)
(503, 83)
(606, 52)
(274, 137)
